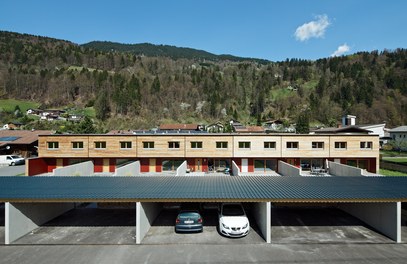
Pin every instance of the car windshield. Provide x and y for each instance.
(184, 215)
(232, 210)
(15, 157)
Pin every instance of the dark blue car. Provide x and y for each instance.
(189, 221)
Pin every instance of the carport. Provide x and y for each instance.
(33, 201)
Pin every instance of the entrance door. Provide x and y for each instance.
(106, 163)
(152, 165)
(245, 165)
(198, 165)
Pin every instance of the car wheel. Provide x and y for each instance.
(12, 164)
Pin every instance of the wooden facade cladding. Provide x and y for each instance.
(209, 149)
(353, 149)
(183, 147)
(65, 148)
(305, 146)
(113, 148)
(161, 146)
(257, 146)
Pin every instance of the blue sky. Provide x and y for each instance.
(273, 30)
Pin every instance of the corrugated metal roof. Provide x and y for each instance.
(186, 188)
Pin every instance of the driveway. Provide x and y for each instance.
(12, 170)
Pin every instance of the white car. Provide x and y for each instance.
(233, 221)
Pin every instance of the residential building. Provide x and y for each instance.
(251, 152)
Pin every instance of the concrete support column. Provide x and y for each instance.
(385, 217)
(262, 214)
(146, 213)
(22, 218)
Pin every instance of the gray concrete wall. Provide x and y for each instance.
(131, 169)
(182, 169)
(384, 217)
(235, 169)
(80, 169)
(22, 218)
(146, 213)
(262, 214)
(337, 169)
(286, 169)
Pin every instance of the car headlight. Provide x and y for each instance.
(246, 225)
(225, 226)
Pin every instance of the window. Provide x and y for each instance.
(196, 144)
(100, 144)
(222, 145)
(292, 145)
(77, 145)
(148, 144)
(317, 145)
(173, 144)
(125, 144)
(269, 145)
(366, 145)
(340, 145)
(244, 144)
(53, 145)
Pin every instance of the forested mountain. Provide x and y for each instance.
(135, 91)
(151, 50)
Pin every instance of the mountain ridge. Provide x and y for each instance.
(162, 50)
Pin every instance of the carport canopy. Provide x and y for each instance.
(202, 189)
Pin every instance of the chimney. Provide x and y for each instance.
(348, 120)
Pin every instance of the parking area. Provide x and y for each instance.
(163, 232)
(319, 224)
(87, 224)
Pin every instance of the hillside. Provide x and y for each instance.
(135, 91)
(151, 50)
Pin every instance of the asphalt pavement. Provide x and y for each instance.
(236, 254)
(12, 170)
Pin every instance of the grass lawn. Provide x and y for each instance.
(391, 173)
(9, 105)
(396, 159)
(391, 153)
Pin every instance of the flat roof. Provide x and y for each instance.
(202, 189)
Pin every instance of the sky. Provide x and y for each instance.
(266, 29)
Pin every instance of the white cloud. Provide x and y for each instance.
(313, 29)
(341, 50)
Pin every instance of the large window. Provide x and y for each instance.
(100, 144)
(53, 145)
(222, 145)
(366, 145)
(340, 145)
(265, 165)
(173, 144)
(148, 144)
(270, 145)
(77, 145)
(317, 145)
(292, 145)
(171, 165)
(196, 144)
(125, 144)
(244, 144)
